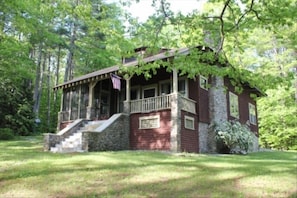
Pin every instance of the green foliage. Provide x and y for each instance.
(16, 107)
(36, 37)
(277, 118)
(235, 136)
(6, 134)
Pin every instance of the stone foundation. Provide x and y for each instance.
(203, 135)
(113, 138)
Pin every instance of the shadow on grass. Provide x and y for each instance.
(145, 173)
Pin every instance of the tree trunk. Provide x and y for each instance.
(49, 94)
(70, 61)
(57, 77)
(36, 95)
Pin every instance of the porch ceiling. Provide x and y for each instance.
(97, 75)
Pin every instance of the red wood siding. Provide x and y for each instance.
(244, 99)
(189, 138)
(202, 100)
(203, 104)
(151, 139)
(194, 92)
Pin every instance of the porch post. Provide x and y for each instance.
(79, 102)
(127, 101)
(60, 114)
(175, 144)
(89, 108)
(69, 105)
(175, 81)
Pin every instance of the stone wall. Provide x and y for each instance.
(112, 138)
(217, 108)
(203, 135)
(50, 140)
(255, 147)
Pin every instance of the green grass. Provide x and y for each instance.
(27, 171)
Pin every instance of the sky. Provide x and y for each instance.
(143, 9)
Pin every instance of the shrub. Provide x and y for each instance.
(6, 134)
(235, 136)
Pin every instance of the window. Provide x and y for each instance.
(233, 105)
(182, 87)
(203, 82)
(149, 92)
(149, 122)
(189, 123)
(165, 87)
(134, 93)
(66, 99)
(252, 114)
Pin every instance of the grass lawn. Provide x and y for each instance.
(27, 171)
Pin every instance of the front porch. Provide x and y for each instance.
(96, 99)
(164, 115)
(136, 106)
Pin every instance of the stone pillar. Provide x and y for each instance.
(175, 139)
(217, 108)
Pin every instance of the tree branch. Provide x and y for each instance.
(166, 15)
(222, 33)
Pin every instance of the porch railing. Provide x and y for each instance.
(161, 102)
(141, 105)
(151, 104)
(74, 114)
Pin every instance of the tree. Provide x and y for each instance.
(251, 35)
(35, 39)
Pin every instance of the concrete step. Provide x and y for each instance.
(74, 142)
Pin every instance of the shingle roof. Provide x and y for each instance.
(105, 73)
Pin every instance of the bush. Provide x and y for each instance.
(233, 137)
(6, 134)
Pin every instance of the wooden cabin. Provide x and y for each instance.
(165, 112)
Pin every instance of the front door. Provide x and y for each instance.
(149, 93)
(104, 106)
(102, 100)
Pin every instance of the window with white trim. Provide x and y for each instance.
(203, 82)
(189, 122)
(252, 114)
(165, 87)
(233, 105)
(183, 87)
(149, 91)
(149, 122)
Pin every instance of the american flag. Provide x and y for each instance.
(116, 81)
